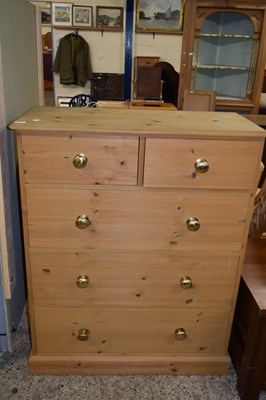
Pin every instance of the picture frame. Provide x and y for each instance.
(46, 16)
(62, 14)
(82, 16)
(159, 16)
(109, 17)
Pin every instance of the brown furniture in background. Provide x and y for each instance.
(224, 49)
(248, 339)
(148, 86)
(199, 100)
(147, 83)
(170, 79)
(107, 86)
(47, 61)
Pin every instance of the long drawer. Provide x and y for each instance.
(123, 331)
(200, 163)
(89, 279)
(73, 159)
(135, 219)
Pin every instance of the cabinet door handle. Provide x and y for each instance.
(80, 161)
(201, 165)
(82, 221)
(83, 334)
(180, 334)
(82, 281)
(193, 224)
(186, 282)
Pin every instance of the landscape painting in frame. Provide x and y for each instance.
(82, 16)
(61, 14)
(159, 15)
(109, 17)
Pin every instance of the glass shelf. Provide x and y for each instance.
(230, 36)
(224, 67)
(227, 83)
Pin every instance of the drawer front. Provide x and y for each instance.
(146, 61)
(103, 160)
(135, 219)
(90, 279)
(130, 332)
(173, 163)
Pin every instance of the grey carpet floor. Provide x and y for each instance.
(17, 384)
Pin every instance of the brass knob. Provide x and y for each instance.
(80, 161)
(83, 334)
(82, 281)
(180, 334)
(193, 224)
(186, 282)
(201, 165)
(82, 222)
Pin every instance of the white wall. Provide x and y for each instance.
(108, 49)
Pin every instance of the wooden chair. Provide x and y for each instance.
(199, 100)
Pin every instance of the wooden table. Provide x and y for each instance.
(248, 339)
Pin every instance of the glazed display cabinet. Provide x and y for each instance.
(224, 50)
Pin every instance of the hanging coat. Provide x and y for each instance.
(72, 60)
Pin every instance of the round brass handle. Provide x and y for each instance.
(83, 334)
(186, 282)
(201, 165)
(193, 224)
(82, 222)
(82, 281)
(180, 334)
(80, 161)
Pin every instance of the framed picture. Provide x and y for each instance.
(159, 16)
(62, 14)
(46, 16)
(82, 16)
(109, 17)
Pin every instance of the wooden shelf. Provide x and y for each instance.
(89, 28)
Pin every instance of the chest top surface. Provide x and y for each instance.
(137, 123)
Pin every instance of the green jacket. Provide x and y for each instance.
(73, 60)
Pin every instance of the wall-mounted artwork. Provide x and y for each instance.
(164, 16)
(111, 17)
(46, 16)
(82, 16)
(61, 14)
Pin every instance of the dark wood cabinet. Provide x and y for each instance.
(248, 339)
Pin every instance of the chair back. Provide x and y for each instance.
(82, 100)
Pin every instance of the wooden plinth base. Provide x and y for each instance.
(108, 365)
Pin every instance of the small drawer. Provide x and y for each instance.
(146, 61)
(200, 163)
(82, 160)
(131, 332)
(104, 218)
(136, 280)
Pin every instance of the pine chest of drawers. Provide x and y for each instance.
(135, 226)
